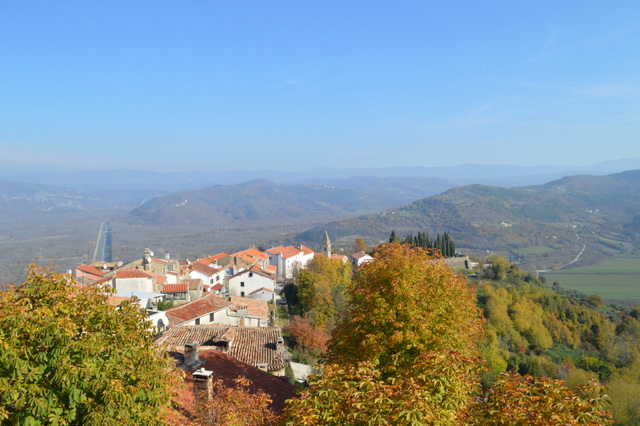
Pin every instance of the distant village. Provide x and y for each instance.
(218, 322)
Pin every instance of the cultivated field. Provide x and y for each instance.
(616, 278)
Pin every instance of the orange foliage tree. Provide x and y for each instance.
(540, 401)
(405, 353)
(306, 335)
(236, 405)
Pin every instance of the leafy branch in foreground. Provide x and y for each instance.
(68, 357)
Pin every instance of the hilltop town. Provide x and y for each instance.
(217, 312)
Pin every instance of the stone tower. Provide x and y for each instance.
(327, 245)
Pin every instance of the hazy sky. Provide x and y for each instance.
(293, 85)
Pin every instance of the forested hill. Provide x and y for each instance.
(546, 225)
(262, 200)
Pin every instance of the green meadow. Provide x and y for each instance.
(614, 278)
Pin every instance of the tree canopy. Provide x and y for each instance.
(407, 352)
(68, 357)
(404, 353)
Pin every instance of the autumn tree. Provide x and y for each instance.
(359, 245)
(540, 401)
(68, 357)
(321, 288)
(402, 304)
(236, 405)
(307, 335)
(405, 352)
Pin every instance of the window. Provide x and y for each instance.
(211, 317)
(197, 321)
(242, 293)
(241, 283)
(250, 274)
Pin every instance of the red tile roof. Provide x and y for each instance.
(211, 259)
(306, 250)
(90, 270)
(359, 255)
(132, 273)
(197, 308)
(175, 288)
(227, 369)
(256, 269)
(256, 254)
(253, 345)
(204, 269)
(245, 257)
(257, 308)
(285, 252)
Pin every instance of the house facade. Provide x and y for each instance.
(246, 282)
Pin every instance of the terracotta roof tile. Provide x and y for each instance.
(197, 308)
(257, 308)
(306, 250)
(204, 269)
(254, 253)
(359, 255)
(227, 369)
(175, 288)
(132, 273)
(252, 345)
(211, 259)
(90, 270)
(286, 252)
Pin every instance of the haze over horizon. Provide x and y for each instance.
(167, 86)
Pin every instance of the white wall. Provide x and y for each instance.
(134, 284)
(252, 281)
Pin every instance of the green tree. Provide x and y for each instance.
(68, 357)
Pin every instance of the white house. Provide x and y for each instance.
(358, 259)
(133, 280)
(246, 282)
(289, 259)
(210, 309)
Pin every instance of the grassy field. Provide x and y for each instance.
(538, 250)
(616, 278)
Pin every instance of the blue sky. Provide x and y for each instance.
(293, 85)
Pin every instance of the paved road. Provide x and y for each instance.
(567, 264)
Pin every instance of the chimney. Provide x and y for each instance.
(280, 344)
(202, 386)
(191, 358)
(167, 256)
(243, 310)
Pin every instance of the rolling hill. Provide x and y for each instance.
(265, 201)
(544, 225)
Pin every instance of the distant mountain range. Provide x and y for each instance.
(541, 224)
(167, 182)
(18, 199)
(545, 225)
